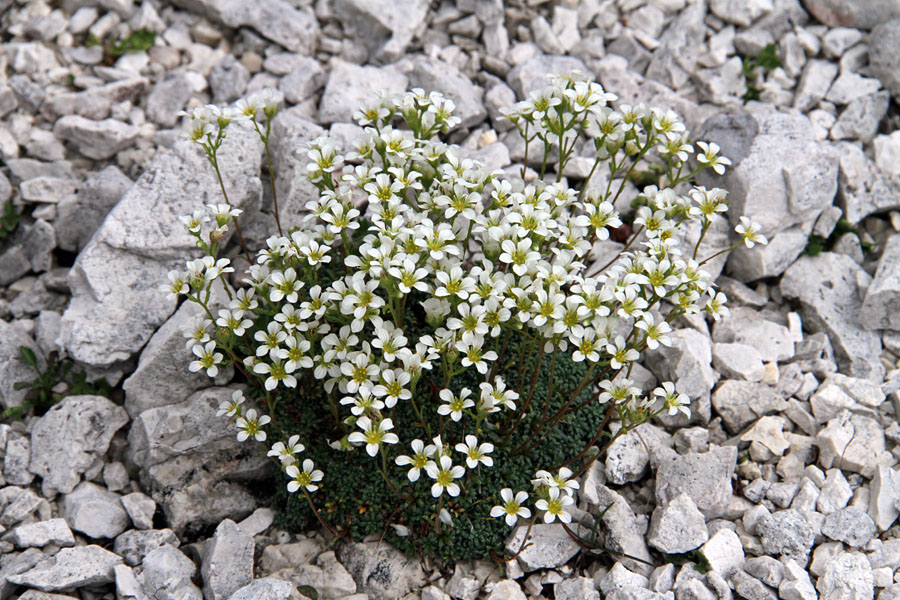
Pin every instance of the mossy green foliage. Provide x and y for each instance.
(767, 59)
(42, 392)
(9, 219)
(139, 40)
(817, 244)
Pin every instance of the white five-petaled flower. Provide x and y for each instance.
(711, 158)
(373, 434)
(749, 232)
(555, 506)
(207, 358)
(232, 408)
(307, 478)
(512, 507)
(455, 405)
(673, 400)
(476, 454)
(421, 456)
(285, 451)
(250, 426)
(620, 353)
(444, 472)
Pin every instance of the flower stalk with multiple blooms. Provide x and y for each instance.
(437, 322)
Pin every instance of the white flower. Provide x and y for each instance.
(284, 285)
(285, 452)
(476, 453)
(749, 232)
(277, 373)
(177, 285)
(373, 435)
(306, 478)
(512, 507)
(674, 401)
(455, 405)
(234, 321)
(444, 472)
(471, 346)
(250, 426)
(495, 396)
(233, 408)
(417, 461)
(555, 506)
(620, 354)
(393, 386)
(710, 157)
(519, 255)
(363, 401)
(207, 358)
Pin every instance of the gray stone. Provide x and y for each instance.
(95, 139)
(140, 508)
(767, 569)
(768, 432)
(39, 243)
(204, 500)
(814, 83)
(284, 556)
(706, 478)
(169, 96)
(267, 588)
(21, 503)
(161, 377)
(745, 325)
(260, 520)
(384, 573)
(686, 362)
(15, 463)
(786, 533)
(13, 265)
(78, 216)
(749, 587)
(292, 129)
(849, 525)
(228, 80)
(69, 569)
(628, 457)
(276, 20)
(506, 589)
(724, 552)
(722, 84)
(167, 575)
(116, 304)
(884, 60)
(848, 576)
(850, 86)
(94, 511)
(739, 12)
(883, 494)
(780, 176)
(861, 14)
(115, 476)
(349, 86)
(228, 562)
(852, 443)
(771, 260)
(836, 492)
(677, 527)
(533, 74)
(623, 533)
(829, 401)
(47, 189)
(41, 533)
(12, 367)
(576, 588)
(304, 80)
(327, 576)
(432, 74)
(13, 563)
(864, 188)
(134, 545)
(127, 585)
(829, 297)
(36, 595)
(94, 102)
(796, 584)
(383, 28)
(71, 437)
(676, 58)
(860, 120)
(737, 361)
(547, 547)
(8, 101)
(883, 295)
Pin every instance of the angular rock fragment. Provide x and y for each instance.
(706, 478)
(95, 139)
(69, 569)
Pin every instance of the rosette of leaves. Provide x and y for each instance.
(435, 337)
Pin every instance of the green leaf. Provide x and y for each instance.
(139, 40)
(308, 591)
(23, 385)
(28, 356)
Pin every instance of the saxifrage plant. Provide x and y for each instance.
(427, 354)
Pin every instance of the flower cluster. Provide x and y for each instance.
(416, 271)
